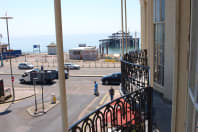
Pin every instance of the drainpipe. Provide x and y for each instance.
(60, 58)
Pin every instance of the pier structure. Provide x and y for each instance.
(114, 42)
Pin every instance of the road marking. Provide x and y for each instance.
(103, 99)
(82, 114)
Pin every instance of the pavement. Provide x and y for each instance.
(20, 94)
(4, 107)
(23, 93)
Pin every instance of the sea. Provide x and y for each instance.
(69, 41)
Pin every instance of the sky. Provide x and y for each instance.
(34, 18)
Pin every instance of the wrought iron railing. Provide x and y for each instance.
(127, 113)
(135, 72)
(137, 57)
(131, 112)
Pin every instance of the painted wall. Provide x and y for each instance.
(51, 50)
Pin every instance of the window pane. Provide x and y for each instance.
(193, 71)
(159, 54)
(196, 122)
(163, 10)
(159, 35)
(158, 11)
(154, 7)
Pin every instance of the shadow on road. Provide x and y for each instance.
(45, 84)
(5, 112)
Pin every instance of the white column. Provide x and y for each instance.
(60, 58)
(180, 81)
(143, 11)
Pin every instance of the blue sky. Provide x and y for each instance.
(36, 17)
(79, 17)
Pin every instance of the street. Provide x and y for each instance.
(79, 96)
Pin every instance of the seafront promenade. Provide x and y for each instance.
(50, 61)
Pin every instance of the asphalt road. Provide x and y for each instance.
(79, 96)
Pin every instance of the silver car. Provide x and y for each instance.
(71, 66)
(25, 66)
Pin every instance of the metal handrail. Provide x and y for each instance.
(134, 64)
(133, 101)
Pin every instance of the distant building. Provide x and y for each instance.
(82, 45)
(51, 49)
(113, 43)
(83, 53)
(6, 54)
(3, 48)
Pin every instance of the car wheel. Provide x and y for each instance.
(22, 81)
(106, 82)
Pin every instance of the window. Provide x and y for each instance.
(76, 52)
(192, 107)
(159, 35)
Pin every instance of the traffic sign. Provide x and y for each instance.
(12, 78)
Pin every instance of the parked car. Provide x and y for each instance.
(45, 76)
(71, 66)
(114, 78)
(66, 74)
(25, 66)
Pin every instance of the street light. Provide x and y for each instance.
(126, 34)
(11, 73)
(122, 27)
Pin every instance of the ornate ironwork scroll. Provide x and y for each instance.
(127, 113)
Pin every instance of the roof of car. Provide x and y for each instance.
(36, 69)
(25, 63)
(117, 73)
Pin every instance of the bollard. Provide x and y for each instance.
(53, 98)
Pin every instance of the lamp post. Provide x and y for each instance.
(122, 26)
(34, 82)
(11, 73)
(42, 79)
(126, 34)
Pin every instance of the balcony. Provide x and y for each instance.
(132, 111)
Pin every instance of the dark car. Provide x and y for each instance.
(114, 79)
(66, 74)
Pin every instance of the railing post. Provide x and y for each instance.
(150, 105)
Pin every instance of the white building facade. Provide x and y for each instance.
(51, 49)
(170, 34)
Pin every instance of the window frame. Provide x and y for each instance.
(159, 47)
(192, 104)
